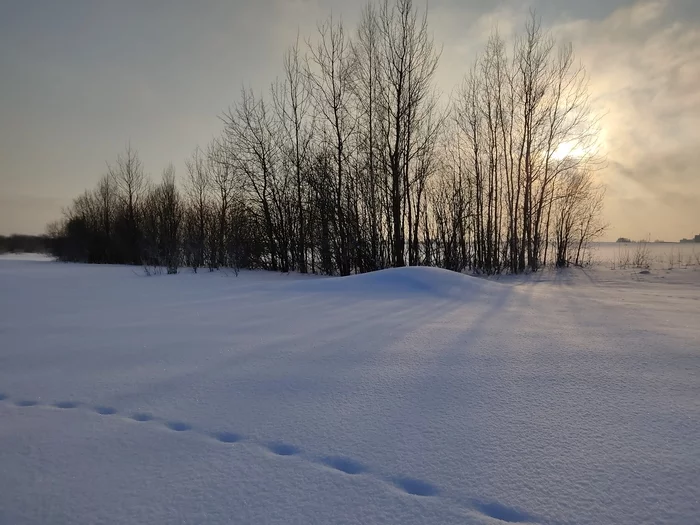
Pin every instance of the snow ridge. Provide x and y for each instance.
(410, 280)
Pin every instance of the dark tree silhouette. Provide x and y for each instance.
(351, 162)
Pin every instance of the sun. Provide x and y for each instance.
(569, 150)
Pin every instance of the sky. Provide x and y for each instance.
(80, 79)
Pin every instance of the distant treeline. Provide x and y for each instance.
(24, 244)
(657, 241)
(350, 163)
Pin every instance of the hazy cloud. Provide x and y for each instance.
(645, 72)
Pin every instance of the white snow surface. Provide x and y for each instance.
(400, 397)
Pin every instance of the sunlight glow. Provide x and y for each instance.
(569, 149)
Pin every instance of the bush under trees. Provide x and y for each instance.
(24, 244)
(351, 163)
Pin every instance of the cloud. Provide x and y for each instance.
(645, 72)
(643, 60)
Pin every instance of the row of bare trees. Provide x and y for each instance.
(526, 142)
(351, 162)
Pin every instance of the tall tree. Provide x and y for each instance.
(293, 103)
(331, 73)
(410, 61)
(131, 184)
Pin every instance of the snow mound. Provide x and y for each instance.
(407, 281)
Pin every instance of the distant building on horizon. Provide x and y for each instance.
(694, 239)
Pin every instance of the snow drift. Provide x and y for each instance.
(413, 281)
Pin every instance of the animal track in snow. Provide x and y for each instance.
(416, 487)
(178, 426)
(66, 404)
(141, 417)
(227, 437)
(347, 465)
(26, 403)
(410, 486)
(283, 449)
(500, 512)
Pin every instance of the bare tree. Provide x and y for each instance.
(576, 216)
(171, 216)
(222, 173)
(368, 90)
(331, 73)
(410, 61)
(105, 198)
(251, 146)
(131, 184)
(198, 187)
(293, 104)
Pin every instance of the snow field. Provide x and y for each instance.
(405, 396)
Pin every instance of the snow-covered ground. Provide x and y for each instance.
(655, 255)
(404, 396)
